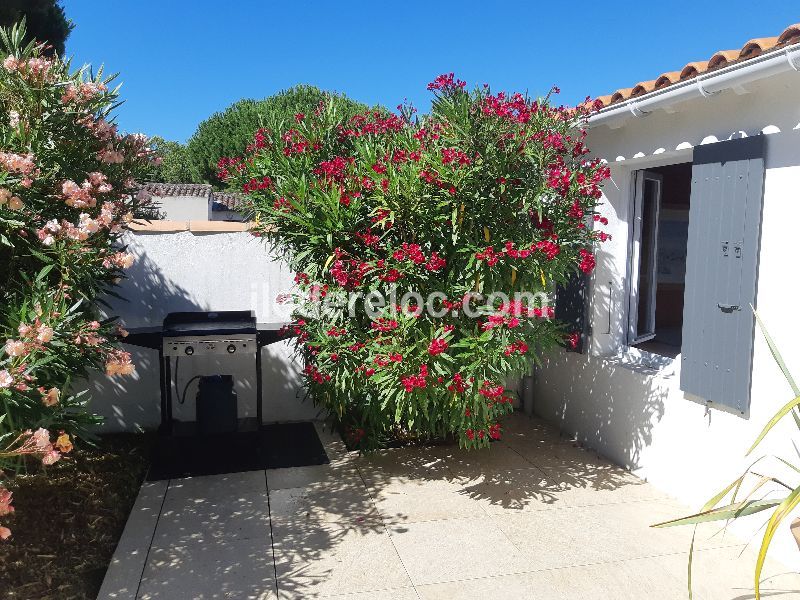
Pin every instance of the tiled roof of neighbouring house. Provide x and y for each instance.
(226, 201)
(723, 58)
(219, 200)
(177, 189)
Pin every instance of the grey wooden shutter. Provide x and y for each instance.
(571, 307)
(721, 271)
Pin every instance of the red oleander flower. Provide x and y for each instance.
(437, 346)
(587, 262)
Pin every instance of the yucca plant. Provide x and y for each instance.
(732, 503)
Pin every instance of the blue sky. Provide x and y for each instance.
(182, 60)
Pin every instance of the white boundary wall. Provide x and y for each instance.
(638, 416)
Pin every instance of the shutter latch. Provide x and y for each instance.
(728, 307)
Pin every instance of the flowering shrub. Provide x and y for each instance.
(489, 193)
(66, 178)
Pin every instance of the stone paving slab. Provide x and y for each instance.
(534, 517)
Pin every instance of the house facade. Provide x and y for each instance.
(673, 380)
(192, 202)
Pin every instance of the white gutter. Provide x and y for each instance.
(702, 86)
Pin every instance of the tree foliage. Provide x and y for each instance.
(45, 21)
(478, 208)
(228, 133)
(174, 164)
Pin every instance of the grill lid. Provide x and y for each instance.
(225, 322)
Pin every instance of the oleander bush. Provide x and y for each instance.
(67, 181)
(431, 218)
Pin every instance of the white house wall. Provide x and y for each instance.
(637, 415)
(187, 271)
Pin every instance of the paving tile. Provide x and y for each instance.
(600, 484)
(518, 427)
(418, 500)
(342, 498)
(511, 491)
(654, 578)
(316, 559)
(392, 594)
(727, 574)
(294, 477)
(454, 549)
(499, 457)
(240, 516)
(559, 455)
(125, 569)
(213, 487)
(629, 580)
(515, 586)
(577, 536)
(203, 570)
(403, 464)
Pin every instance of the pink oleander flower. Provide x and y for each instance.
(11, 63)
(111, 156)
(6, 379)
(5, 196)
(17, 163)
(77, 196)
(119, 260)
(40, 440)
(51, 397)
(51, 457)
(119, 363)
(83, 92)
(5, 509)
(5, 502)
(15, 348)
(44, 334)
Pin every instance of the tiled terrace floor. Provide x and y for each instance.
(532, 518)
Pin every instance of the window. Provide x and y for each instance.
(658, 258)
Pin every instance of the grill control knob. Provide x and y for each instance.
(231, 348)
(189, 350)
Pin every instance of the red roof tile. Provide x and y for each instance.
(720, 59)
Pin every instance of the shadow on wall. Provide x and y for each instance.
(609, 404)
(133, 402)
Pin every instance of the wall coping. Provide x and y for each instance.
(144, 226)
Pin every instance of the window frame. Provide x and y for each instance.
(639, 178)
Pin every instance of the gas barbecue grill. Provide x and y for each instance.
(196, 334)
(239, 444)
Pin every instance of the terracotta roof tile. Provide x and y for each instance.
(790, 35)
(621, 95)
(753, 48)
(640, 89)
(692, 69)
(226, 200)
(667, 79)
(605, 100)
(721, 59)
(219, 200)
(177, 189)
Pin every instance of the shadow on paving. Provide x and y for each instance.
(330, 523)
